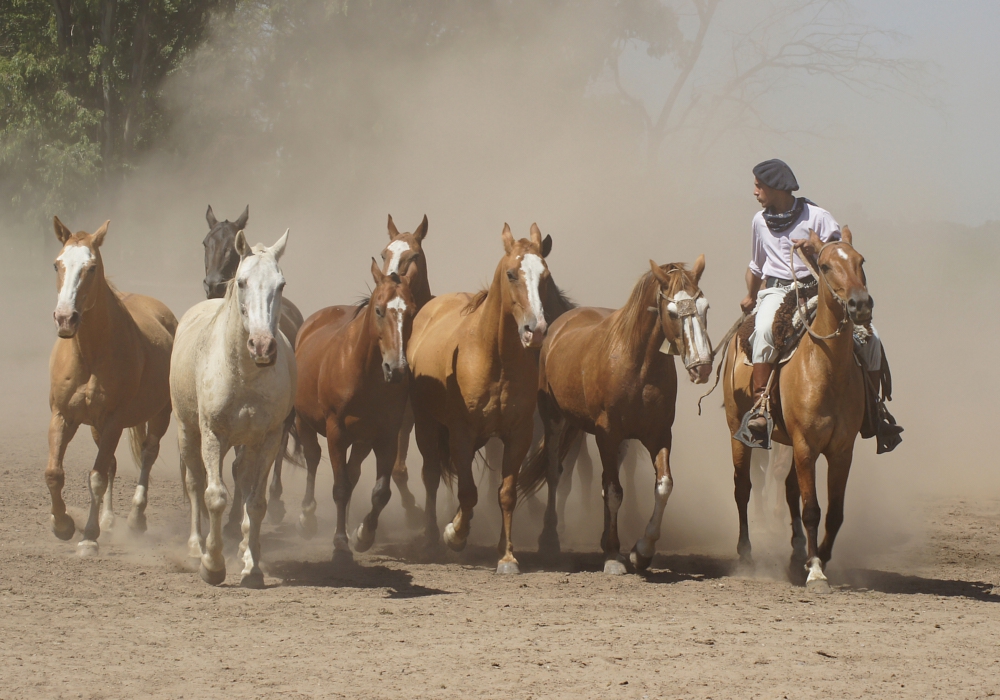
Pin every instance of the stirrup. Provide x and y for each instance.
(887, 436)
(747, 437)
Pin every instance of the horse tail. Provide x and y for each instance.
(534, 471)
(293, 456)
(136, 438)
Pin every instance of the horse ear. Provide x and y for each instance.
(421, 231)
(658, 272)
(508, 239)
(279, 248)
(810, 246)
(241, 222)
(99, 234)
(241, 245)
(393, 231)
(536, 235)
(546, 246)
(210, 218)
(699, 267)
(845, 235)
(377, 273)
(62, 233)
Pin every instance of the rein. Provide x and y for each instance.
(818, 275)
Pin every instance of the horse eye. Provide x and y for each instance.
(379, 312)
(55, 266)
(824, 268)
(242, 284)
(511, 275)
(383, 255)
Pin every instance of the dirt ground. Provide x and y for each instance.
(138, 622)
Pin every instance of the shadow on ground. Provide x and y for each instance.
(891, 582)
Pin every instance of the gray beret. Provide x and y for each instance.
(776, 174)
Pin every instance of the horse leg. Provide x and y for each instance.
(155, 430)
(555, 434)
(256, 465)
(233, 530)
(385, 461)
(312, 452)
(805, 469)
(275, 506)
(107, 509)
(793, 498)
(741, 480)
(337, 444)
(456, 533)
(99, 477)
(779, 465)
(61, 432)
(515, 449)
(611, 454)
(213, 564)
(758, 481)
(193, 477)
(645, 547)
(432, 443)
(575, 453)
(400, 474)
(838, 469)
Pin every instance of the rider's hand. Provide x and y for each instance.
(747, 304)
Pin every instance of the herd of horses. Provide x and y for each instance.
(242, 370)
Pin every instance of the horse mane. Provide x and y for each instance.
(476, 301)
(627, 328)
(562, 303)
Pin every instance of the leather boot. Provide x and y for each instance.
(761, 373)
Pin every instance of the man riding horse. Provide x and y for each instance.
(783, 221)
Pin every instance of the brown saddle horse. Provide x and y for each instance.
(821, 396)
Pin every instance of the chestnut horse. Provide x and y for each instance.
(221, 261)
(232, 384)
(352, 388)
(108, 370)
(604, 372)
(475, 377)
(821, 394)
(403, 253)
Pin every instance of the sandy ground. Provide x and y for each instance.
(137, 622)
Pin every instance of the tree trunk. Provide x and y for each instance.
(107, 37)
(140, 51)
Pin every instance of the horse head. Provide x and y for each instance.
(683, 313)
(221, 258)
(526, 278)
(78, 267)
(392, 310)
(258, 288)
(843, 269)
(404, 249)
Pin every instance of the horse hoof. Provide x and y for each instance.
(548, 544)
(818, 586)
(107, 521)
(87, 548)
(212, 578)
(63, 527)
(614, 567)
(451, 539)
(255, 580)
(342, 557)
(137, 522)
(275, 511)
(508, 567)
(639, 561)
(306, 526)
(363, 539)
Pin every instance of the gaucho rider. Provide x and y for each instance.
(783, 220)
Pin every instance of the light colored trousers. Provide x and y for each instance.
(762, 338)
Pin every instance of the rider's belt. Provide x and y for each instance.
(770, 282)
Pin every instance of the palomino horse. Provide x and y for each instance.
(352, 388)
(109, 370)
(405, 252)
(232, 383)
(604, 372)
(475, 377)
(821, 394)
(221, 261)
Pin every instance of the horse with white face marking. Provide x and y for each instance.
(108, 370)
(604, 372)
(232, 383)
(475, 376)
(353, 388)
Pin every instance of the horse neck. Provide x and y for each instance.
(103, 322)
(234, 333)
(419, 286)
(636, 333)
(829, 312)
(365, 349)
(495, 320)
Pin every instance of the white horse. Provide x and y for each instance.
(232, 383)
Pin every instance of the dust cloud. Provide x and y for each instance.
(521, 125)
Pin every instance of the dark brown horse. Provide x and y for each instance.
(221, 261)
(604, 372)
(405, 252)
(109, 370)
(821, 394)
(475, 377)
(352, 388)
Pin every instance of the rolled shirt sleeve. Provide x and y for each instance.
(757, 253)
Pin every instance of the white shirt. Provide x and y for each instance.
(770, 251)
